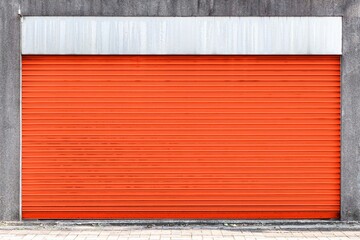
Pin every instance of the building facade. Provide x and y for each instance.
(179, 109)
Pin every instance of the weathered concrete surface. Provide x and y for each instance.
(183, 7)
(10, 71)
(350, 124)
(198, 223)
(9, 110)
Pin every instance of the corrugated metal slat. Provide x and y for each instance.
(181, 137)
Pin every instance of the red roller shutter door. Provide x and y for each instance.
(247, 137)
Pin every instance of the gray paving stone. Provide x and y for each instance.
(171, 233)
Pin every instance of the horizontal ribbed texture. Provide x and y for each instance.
(181, 137)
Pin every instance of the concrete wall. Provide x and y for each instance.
(350, 113)
(9, 110)
(10, 71)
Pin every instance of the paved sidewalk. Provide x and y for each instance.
(225, 231)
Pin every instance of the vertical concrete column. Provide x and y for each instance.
(350, 113)
(9, 110)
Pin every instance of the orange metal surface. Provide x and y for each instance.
(253, 137)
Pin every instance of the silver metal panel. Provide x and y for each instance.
(181, 35)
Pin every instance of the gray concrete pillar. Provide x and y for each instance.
(350, 113)
(9, 110)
